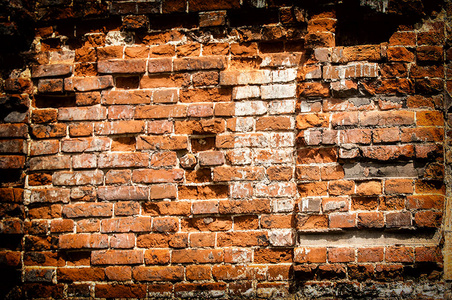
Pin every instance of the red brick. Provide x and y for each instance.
(80, 274)
(117, 257)
(428, 219)
(198, 5)
(371, 220)
(399, 186)
(123, 160)
(160, 127)
(78, 178)
(342, 220)
(307, 172)
(120, 127)
(197, 256)
(386, 135)
(157, 257)
(157, 176)
(198, 272)
(34, 259)
(429, 53)
(309, 222)
(429, 118)
(206, 224)
(162, 240)
(13, 130)
(314, 89)
(88, 210)
(362, 52)
(201, 63)
(369, 188)
(201, 240)
(310, 255)
(121, 66)
(45, 212)
(188, 49)
(401, 54)
(205, 207)
(403, 38)
(162, 143)
(209, 126)
(61, 226)
(229, 272)
(428, 254)
(203, 192)
(82, 113)
(238, 173)
(317, 155)
(165, 224)
(120, 290)
(122, 241)
(54, 70)
(127, 97)
(118, 177)
(49, 163)
(399, 254)
(126, 224)
(36, 147)
(341, 255)
(161, 111)
(242, 239)
(136, 52)
(109, 52)
(50, 86)
(170, 273)
(425, 202)
(127, 208)
(83, 240)
(85, 144)
(123, 192)
(398, 219)
(44, 115)
(81, 129)
(163, 191)
(160, 65)
(273, 255)
(374, 254)
(244, 206)
(85, 84)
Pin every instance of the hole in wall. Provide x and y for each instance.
(44, 101)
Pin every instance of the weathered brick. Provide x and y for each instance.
(157, 176)
(117, 257)
(126, 224)
(53, 70)
(82, 113)
(123, 193)
(167, 273)
(127, 97)
(85, 144)
(121, 66)
(123, 160)
(199, 63)
(162, 142)
(84, 84)
(83, 240)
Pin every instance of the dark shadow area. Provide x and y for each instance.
(253, 17)
(375, 23)
(359, 25)
(45, 101)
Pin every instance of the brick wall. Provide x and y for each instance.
(231, 149)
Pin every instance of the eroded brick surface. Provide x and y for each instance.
(225, 149)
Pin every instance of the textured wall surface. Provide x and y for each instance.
(231, 149)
